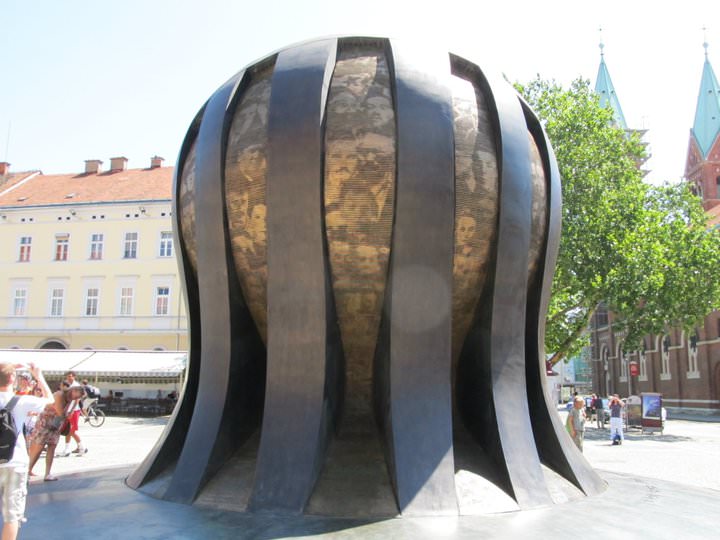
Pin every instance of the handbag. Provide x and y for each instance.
(57, 422)
(65, 427)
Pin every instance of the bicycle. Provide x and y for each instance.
(94, 415)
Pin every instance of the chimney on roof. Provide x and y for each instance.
(118, 164)
(156, 161)
(4, 168)
(93, 166)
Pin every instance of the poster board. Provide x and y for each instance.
(652, 419)
(633, 412)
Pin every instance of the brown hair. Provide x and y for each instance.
(6, 373)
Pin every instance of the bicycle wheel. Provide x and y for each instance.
(96, 417)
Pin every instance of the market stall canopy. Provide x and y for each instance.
(101, 363)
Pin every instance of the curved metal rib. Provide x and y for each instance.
(169, 445)
(304, 358)
(492, 390)
(219, 417)
(555, 447)
(416, 346)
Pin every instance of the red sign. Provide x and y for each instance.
(634, 369)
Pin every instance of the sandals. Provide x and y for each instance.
(50, 478)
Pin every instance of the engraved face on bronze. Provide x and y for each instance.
(379, 110)
(253, 163)
(341, 165)
(345, 103)
(464, 231)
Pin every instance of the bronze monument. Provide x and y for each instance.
(367, 233)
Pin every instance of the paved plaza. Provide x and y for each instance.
(657, 483)
(688, 452)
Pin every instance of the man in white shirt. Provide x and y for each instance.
(13, 474)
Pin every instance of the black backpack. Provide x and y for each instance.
(8, 431)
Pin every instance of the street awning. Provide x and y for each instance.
(101, 363)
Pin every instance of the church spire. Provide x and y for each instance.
(707, 113)
(605, 89)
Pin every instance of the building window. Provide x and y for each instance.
(602, 315)
(162, 300)
(56, 302)
(62, 242)
(665, 360)
(643, 366)
(693, 371)
(131, 243)
(20, 303)
(96, 247)
(126, 300)
(623, 365)
(166, 244)
(25, 245)
(92, 298)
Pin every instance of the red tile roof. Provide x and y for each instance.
(128, 185)
(9, 180)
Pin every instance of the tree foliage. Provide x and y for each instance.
(643, 250)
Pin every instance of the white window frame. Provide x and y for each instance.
(126, 301)
(97, 246)
(57, 300)
(156, 298)
(24, 249)
(14, 303)
(136, 241)
(166, 244)
(92, 302)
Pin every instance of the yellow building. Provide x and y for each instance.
(88, 260)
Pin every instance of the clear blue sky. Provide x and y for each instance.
(96, 79)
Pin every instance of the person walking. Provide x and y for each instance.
(599, 407)
(72, 415)
(616, 426)
(14, 473)
(575, 423)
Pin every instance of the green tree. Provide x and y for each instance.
(643, 250)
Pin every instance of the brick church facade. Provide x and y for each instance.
(684, 367)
